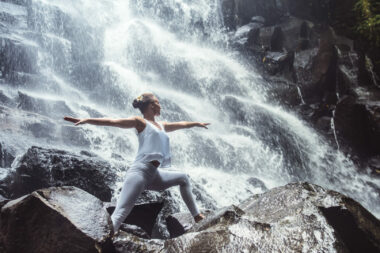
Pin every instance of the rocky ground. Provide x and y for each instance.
(298, 217)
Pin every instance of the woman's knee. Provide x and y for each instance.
(185, 179)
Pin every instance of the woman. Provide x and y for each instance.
(153, 152)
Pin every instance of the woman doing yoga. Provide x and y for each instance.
(153, 152)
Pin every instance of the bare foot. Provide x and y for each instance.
(199, 217)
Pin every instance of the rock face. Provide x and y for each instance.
(312, 57)
(40, 168)
(7, 155)
(298, 217)
(57, 219)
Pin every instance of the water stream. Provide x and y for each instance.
(102, 54)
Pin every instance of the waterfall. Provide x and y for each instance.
(97, 56)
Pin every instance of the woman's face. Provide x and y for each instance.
(156, 107)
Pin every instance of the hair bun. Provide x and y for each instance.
(136, 103)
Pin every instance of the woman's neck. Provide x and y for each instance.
(148, 117)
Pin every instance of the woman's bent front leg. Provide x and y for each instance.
(133, 185)
(166, 179)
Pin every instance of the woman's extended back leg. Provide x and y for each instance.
(166, 179)
(133, 185)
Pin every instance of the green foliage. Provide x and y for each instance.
(369, 20)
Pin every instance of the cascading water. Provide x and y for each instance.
(98, 56)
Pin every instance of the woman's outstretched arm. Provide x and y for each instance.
(131, 122)
(172, 126)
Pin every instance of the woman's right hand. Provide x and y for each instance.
(75, 120)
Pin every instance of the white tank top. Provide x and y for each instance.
(154, 145)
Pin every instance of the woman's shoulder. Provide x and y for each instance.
(141, 124)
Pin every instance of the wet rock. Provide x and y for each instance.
(73, 135)
(357, 124)
(92, 112)
(125, 242)
(308, 216)
(324, 123)
(283, 91)
(202, 196)
(47, 107)
(302, 207)
(7, 155)
(58, 50)
(40, 130)
(13, 15)
(3, 201)
(315, 70)
(374, 165)
(135, 230)
(17, 55)
(169, 206)
(245, 34)
(143, 215)
(5, 100)
(347, 70)
(258, 19)
(179, 223)
(257, 183)
(278, 62)
(67, 218)
(324, 65)
(239, 12)
(150, 212)
(40, 168)
(18, 2)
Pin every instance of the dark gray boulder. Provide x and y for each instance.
(3, 201)
(298, 217)
(17, 56)
(56, 219)
(41, 168)
(257, 183)
(150, 212)
(7, 155)
(5, 100)
(357, 124)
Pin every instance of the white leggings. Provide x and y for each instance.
(145, 176)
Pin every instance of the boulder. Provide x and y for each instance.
(5, 100)
(179, 223)
(135, 230)
(17, 55)
(357, 124)
(7, 155)
(13, 15)
(3, 201)
(47, 107)
(40, 168)
(74, 136)
(257, 183)
(150, 212)
(142, 216)
(126, 242)
(374, 165)
(240, 12)
(56, 219)
(298, 217)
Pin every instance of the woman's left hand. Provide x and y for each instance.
(203, 125)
